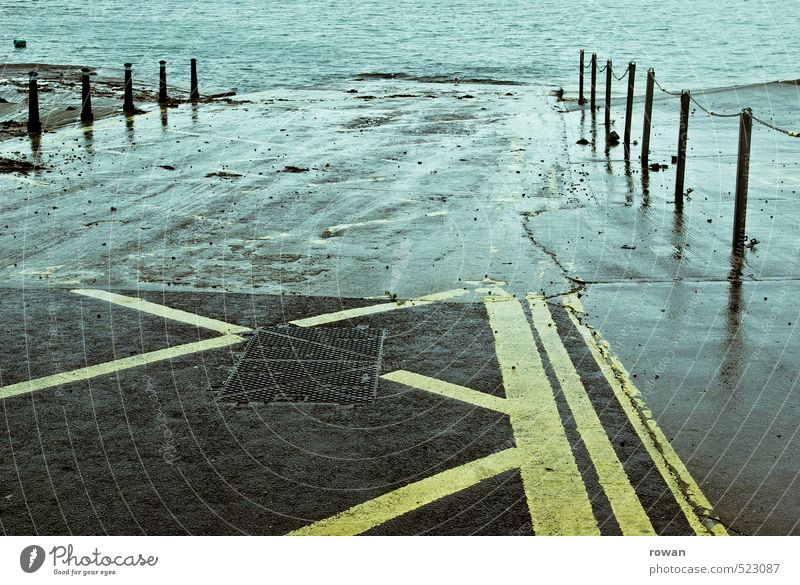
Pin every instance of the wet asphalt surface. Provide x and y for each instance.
(150, 450)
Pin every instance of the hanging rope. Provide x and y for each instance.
(710, 113)
(792, 133)
(620, 78)
(666, 91)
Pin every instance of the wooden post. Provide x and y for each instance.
(86, 96)
(581, 99)
(629, 109)
(34, 123)
(127, 104)
(608, 94)
(742, 177)
(194, 92)
(683, 130)
(162, 82)
(593, 89)
(648, 116)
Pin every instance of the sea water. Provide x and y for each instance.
(258, 44)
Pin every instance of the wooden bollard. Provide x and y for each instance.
(34, 123)
(683, 134)
(648, 116)
(581, 99)
(593, 88)
(86, 96)
(742, 178)
(626, 139)
(194, 92)
(162, 82)
(608, 93)
(127, 103)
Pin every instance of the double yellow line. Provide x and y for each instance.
(556, 494)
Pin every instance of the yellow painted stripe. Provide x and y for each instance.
(162, 311)
(381, 308)
(117, 365)
(680, 482)
(624, 502)
(375, 512)
(453, 391)
(557, 497)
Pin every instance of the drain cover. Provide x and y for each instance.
(299, 364)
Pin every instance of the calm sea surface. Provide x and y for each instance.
(254, 45)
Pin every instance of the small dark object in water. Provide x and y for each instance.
(583, 141)
(613, 137)
(655, 167)
(294, 169)
(674, 159)
(466, 96)
(752, 243)
(352, 90)
(20, 43)
(167, 167)
(559, 93)
(628, 247)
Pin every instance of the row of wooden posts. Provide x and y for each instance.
(745, 130)
(35, 124)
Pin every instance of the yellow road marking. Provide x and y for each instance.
(624, 502)
(453, 391)
(381, 308)
(689, 497)
(162, 311)
(556, 494)
(375, 512)
(117, 365)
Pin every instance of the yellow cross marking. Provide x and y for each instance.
(556, 495)
(227, 338)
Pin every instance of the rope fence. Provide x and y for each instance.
(745, 116)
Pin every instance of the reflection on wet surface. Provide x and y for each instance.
(645, 186)
(36, 148)
(88, 137)
(129, 129)
(678, 236)
(629, 183)
(730, 370)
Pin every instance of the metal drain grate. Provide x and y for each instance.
(298, 364)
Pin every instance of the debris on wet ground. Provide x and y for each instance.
(8, 165)
(223, 175)
(294, 169)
